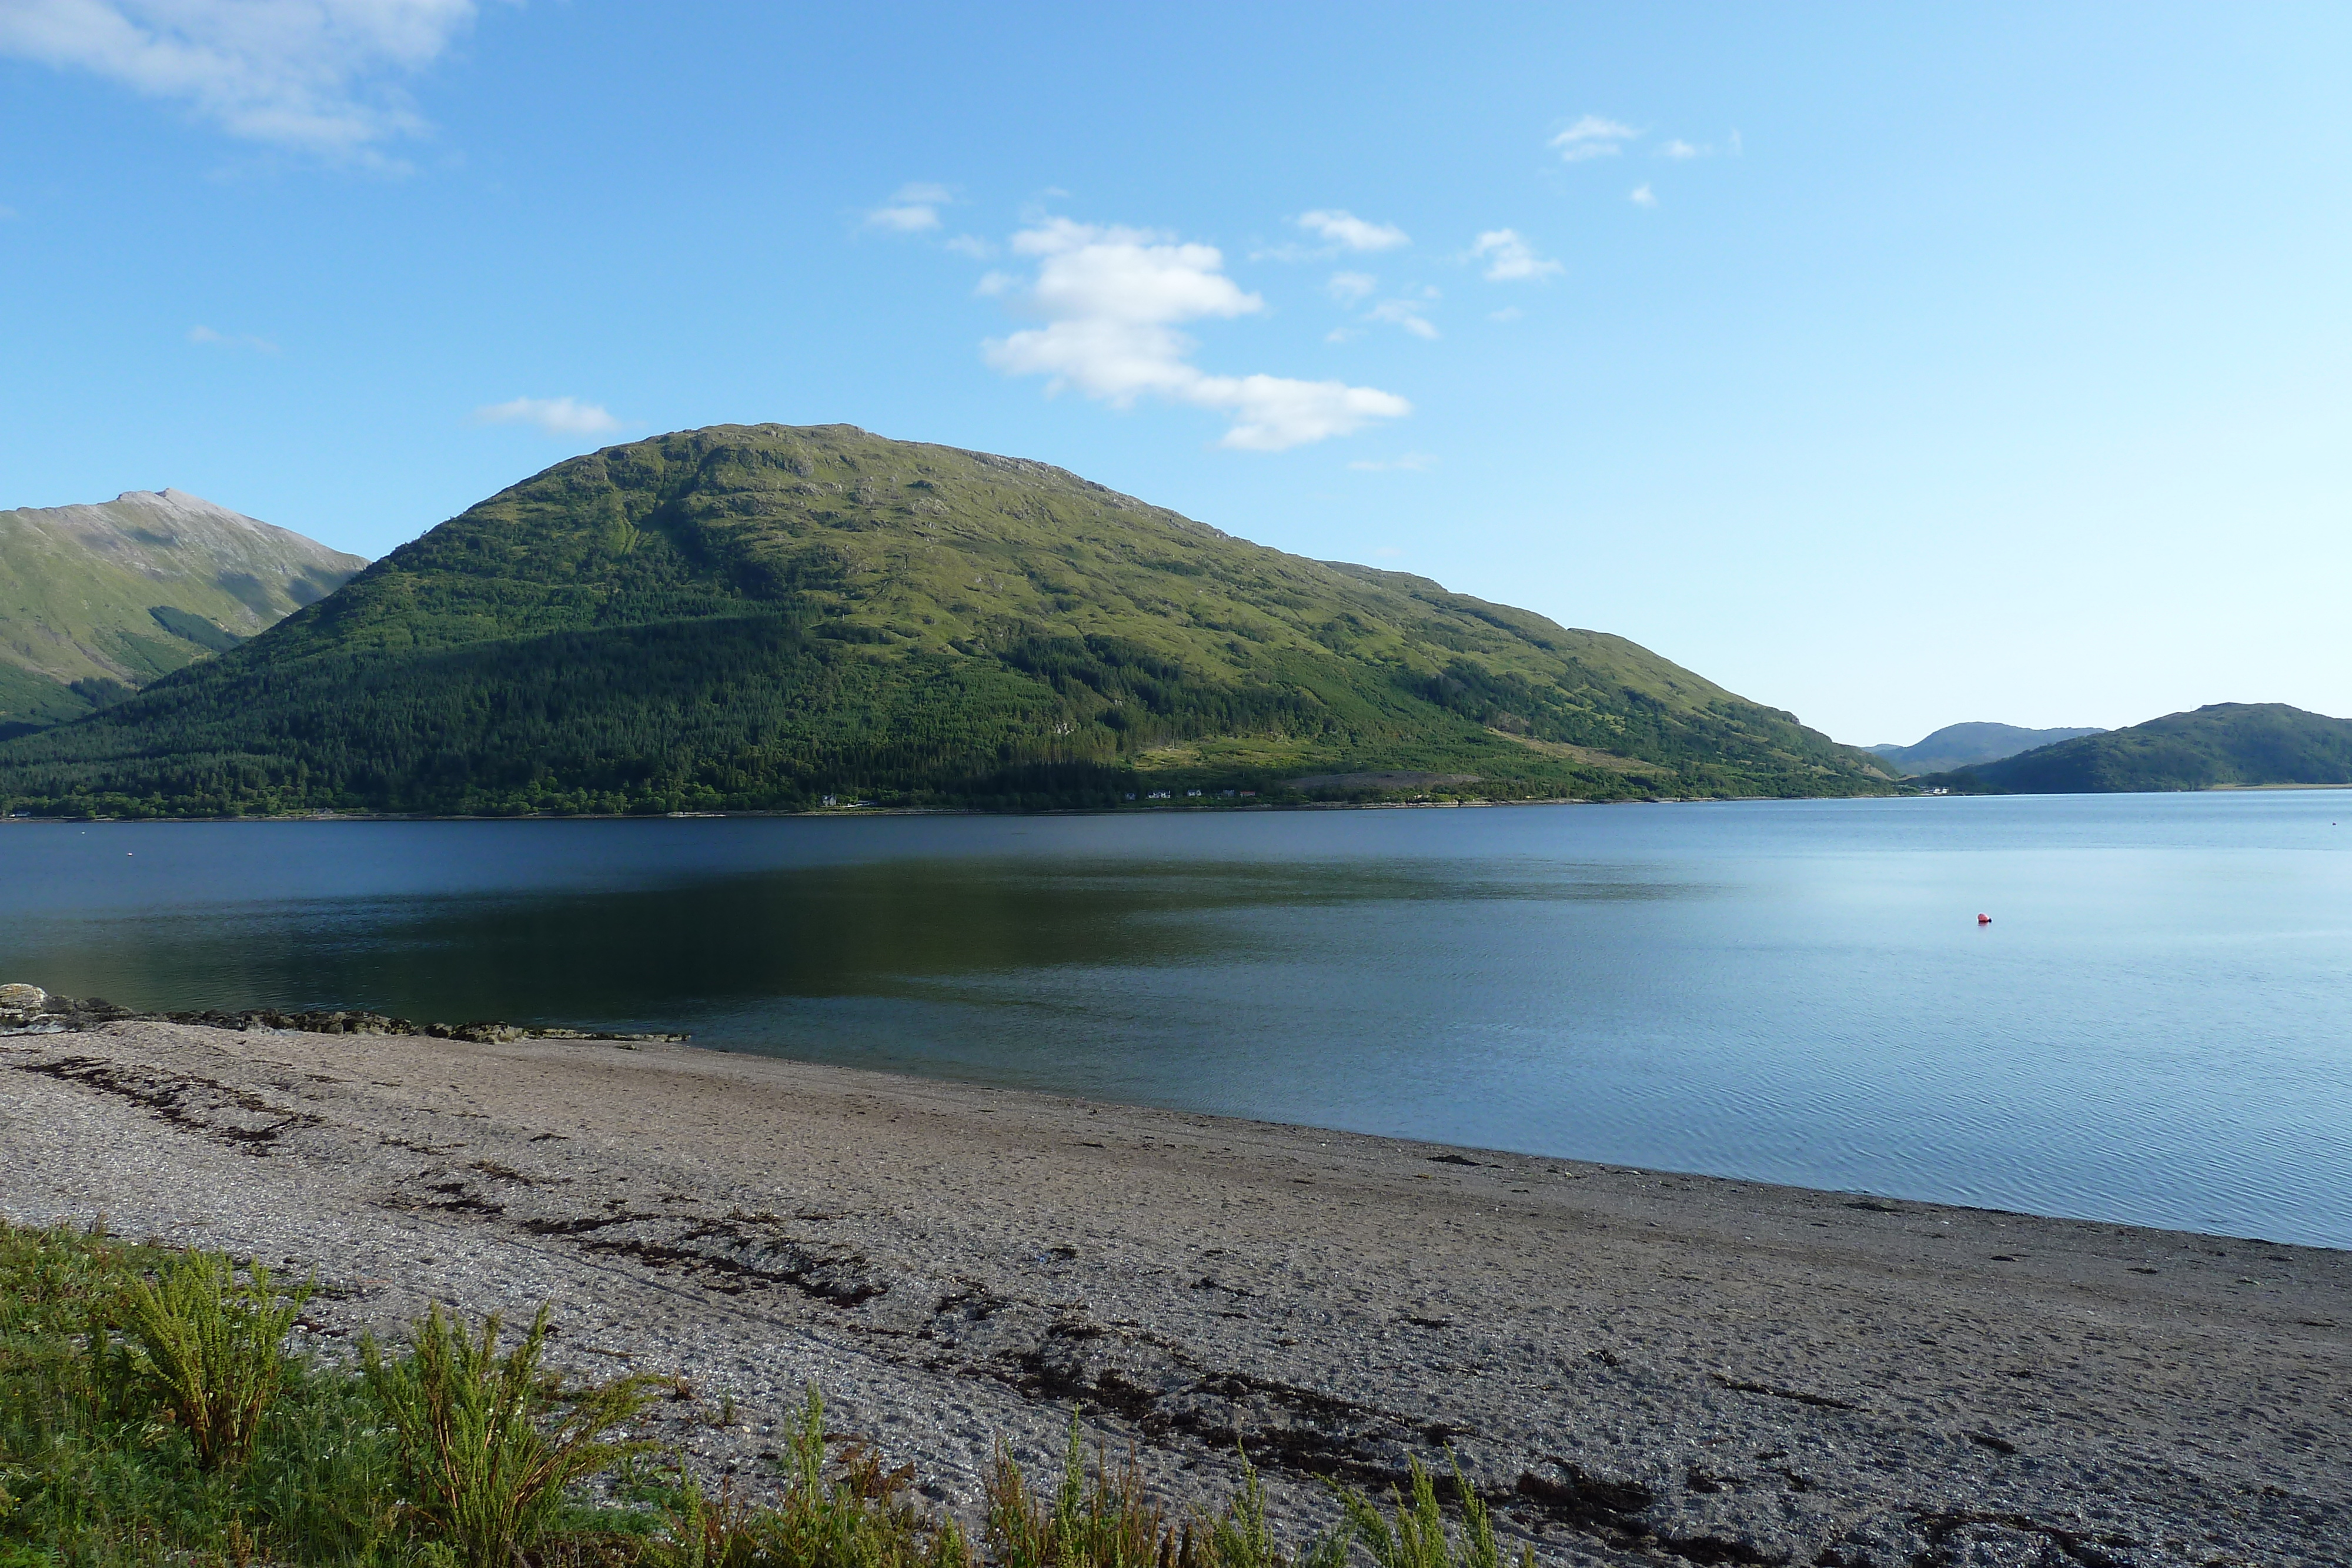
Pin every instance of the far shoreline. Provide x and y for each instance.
(1205, 808)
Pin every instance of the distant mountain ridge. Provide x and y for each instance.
(760, 617)
(99, 600)
(1965, 744)
(2219, 746)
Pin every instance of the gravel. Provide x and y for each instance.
(1633, 1366)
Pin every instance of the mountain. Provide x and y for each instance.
(1965, 744)
(751, 617)
(97, 600)
(2218, 745)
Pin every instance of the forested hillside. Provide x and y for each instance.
(1967, 746)
(2218, 745)
(758, 617)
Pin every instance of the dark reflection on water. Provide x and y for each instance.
(686, 950)
(2154, 1029)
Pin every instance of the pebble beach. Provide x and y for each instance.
(1630, 1365)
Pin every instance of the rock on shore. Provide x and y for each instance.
(28, 1009)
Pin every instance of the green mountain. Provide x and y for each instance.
(751, 617)
(97, 600)
(2217, 747)
(1965, 744)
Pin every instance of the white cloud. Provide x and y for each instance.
(1592, 137)
(1733, 141)
(1509, 258)
(1644, 196)
(305, 74)
(1678, 148)
(1410, 462)
(1348, 232)
(1112, 299)
(914, 209)
(972, 245)
(8, 215)
(1508, 313)
(1405, 313)
(906, 220)
(1347, 288)
(204, 334)
(554, 415)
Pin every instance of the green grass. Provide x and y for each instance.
(129, 591)
(488, 1443)
(755, 616)
(853, 1512)
(150, 1412)
(209, 1350)
(30, 701)
(97, 1469)
(1417, 1536)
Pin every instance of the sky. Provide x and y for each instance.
(1895, 365)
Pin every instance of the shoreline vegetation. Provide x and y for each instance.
(856, 809)
(1626, 1367)
(161, 1405)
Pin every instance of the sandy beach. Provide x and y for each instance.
(1634, 1366)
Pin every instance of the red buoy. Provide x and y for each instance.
(1984, 919)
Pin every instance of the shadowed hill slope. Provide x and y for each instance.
(2216, 746)
(751, 617)
(1967, 745)
(98, 600)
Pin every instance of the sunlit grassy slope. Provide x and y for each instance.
(98, 600)
(759, 616)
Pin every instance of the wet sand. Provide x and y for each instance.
(1634, 1366)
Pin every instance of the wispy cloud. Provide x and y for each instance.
(205, 335)
(553, 416)
(914, 209)
(316, 75)
(1508, 313)
(1592, 137)
(1410, 462)
(1681, 150)
(1642, 196)
(1347, 288)
(1510, 259)
(1344, 229)
(8, 215)
(972, 245)
(1408, 314)
(1112, 299)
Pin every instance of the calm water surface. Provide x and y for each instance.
(2157, 1028)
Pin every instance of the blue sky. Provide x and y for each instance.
(1893, 365)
